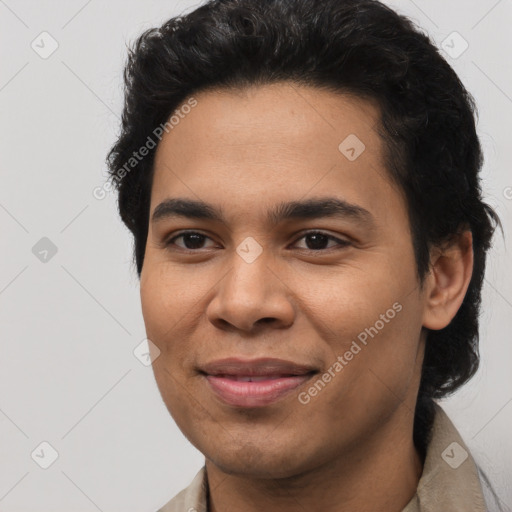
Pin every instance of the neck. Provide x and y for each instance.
(382, 474)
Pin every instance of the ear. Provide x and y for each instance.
(448, 280)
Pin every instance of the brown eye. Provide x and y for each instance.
(192, 240)
(317, 241)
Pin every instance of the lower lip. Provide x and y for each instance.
(254, 394)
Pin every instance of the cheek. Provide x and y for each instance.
(375, 379)
(165, 303)
(343, 302)
(372, 320)
(171, 308)
(167, 299)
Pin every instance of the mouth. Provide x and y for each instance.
(261, 391)
(256, 383)
(253, 378)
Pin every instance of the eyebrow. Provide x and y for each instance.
(305, 209)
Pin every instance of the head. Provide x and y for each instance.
(262, 104)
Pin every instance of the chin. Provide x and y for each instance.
(259, 461)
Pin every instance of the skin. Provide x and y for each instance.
(350, 447)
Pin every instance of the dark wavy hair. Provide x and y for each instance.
(359, 47)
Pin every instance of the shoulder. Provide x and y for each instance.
(450, 478)
(190, 499)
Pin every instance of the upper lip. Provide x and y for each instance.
(257, 367)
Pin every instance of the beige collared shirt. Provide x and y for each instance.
(449, 482)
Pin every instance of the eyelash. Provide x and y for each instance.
(341, 243)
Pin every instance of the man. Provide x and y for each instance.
(310, 238)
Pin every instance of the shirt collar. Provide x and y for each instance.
(450, 478)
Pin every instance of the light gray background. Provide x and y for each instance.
(68, 375)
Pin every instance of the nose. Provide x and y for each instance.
(251, 296)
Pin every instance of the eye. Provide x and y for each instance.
(191, 239)
(316, 241)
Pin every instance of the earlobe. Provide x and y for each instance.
(448, 280)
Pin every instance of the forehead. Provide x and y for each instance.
(280, 113)
(278, 140)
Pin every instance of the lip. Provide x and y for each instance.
(276, 378)
(264, 366)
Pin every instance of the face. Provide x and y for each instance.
(333, 289)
